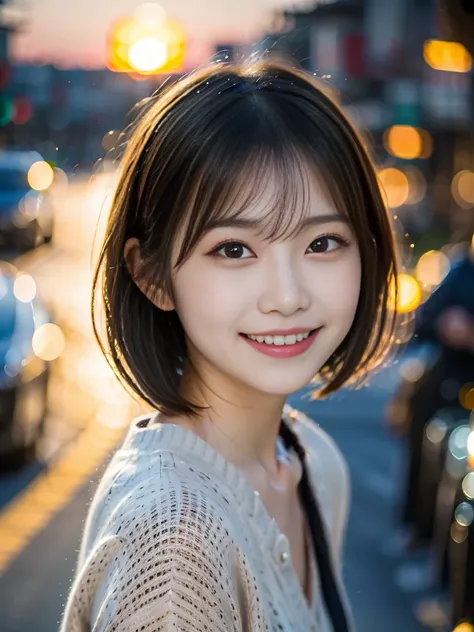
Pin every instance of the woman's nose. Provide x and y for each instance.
(284, 289)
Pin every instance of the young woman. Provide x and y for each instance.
(248, 250)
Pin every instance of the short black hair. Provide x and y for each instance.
(187, 160)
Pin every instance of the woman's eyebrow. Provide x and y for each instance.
(246, 222)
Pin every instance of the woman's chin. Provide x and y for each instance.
(281, 386)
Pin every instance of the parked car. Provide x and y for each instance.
(26, 214)
(461, 549)
(23, 374)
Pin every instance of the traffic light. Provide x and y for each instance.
(6, 109)
(145, 46)
(22, 110)
(6, 101)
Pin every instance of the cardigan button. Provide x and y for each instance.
(283, 557)
(281, 551)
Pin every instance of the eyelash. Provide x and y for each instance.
(215, 252)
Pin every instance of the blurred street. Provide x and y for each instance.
(73, 78)
(83, 400)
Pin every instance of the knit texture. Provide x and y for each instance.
(177, 539)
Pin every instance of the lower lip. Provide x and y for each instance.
(283, 351)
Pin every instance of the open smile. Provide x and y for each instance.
(280, 345)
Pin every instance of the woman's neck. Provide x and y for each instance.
(240, 423)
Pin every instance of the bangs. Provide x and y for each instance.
(276, 184)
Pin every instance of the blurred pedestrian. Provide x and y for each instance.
(248, 249)
(447, 321)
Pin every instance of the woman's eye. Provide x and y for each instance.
(233, 250)
(325, 244)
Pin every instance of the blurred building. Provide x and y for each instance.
(11, 20)
(67, 112)
(376, 55)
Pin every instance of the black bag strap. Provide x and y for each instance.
(329, 586)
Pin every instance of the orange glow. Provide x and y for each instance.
(147, 55)
(409, 294)
(466, 396)
(146, 43)
(462, 188)
(394, 185)
(40, 176)
(432, 267)
(403, 141)
(447, 56)
(408, 142)
(464, 627)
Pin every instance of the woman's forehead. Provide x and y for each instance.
(277, 204)
(274, 200)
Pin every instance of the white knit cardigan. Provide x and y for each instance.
(177, 539)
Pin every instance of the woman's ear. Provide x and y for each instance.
(132, 256)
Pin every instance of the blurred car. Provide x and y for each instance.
(26, 214)
(23, 375)
(461, 549)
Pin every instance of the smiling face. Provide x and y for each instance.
(247, 304)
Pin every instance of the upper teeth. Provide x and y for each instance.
(280, 340)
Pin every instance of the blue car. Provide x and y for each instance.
(23, 375)
(26, 215)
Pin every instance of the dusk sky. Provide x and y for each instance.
(74, 31)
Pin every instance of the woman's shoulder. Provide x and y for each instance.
(156, 540)
(137, 489)
(164, 481)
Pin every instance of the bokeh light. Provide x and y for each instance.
(408, 142)
(464, 514)
(146, 43)
(147, 55)
(24, 288)
(468, 485)
(466, 396)
(447, 56)
(462, 188)
(470, 448)
(403, 141)
(48, 342)
(464, 627)
(436, 430)
(395, 186)
(417, 185)
(432, 268)
(40, 176)
(458, 442)
(413, 369)
(409, 294)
